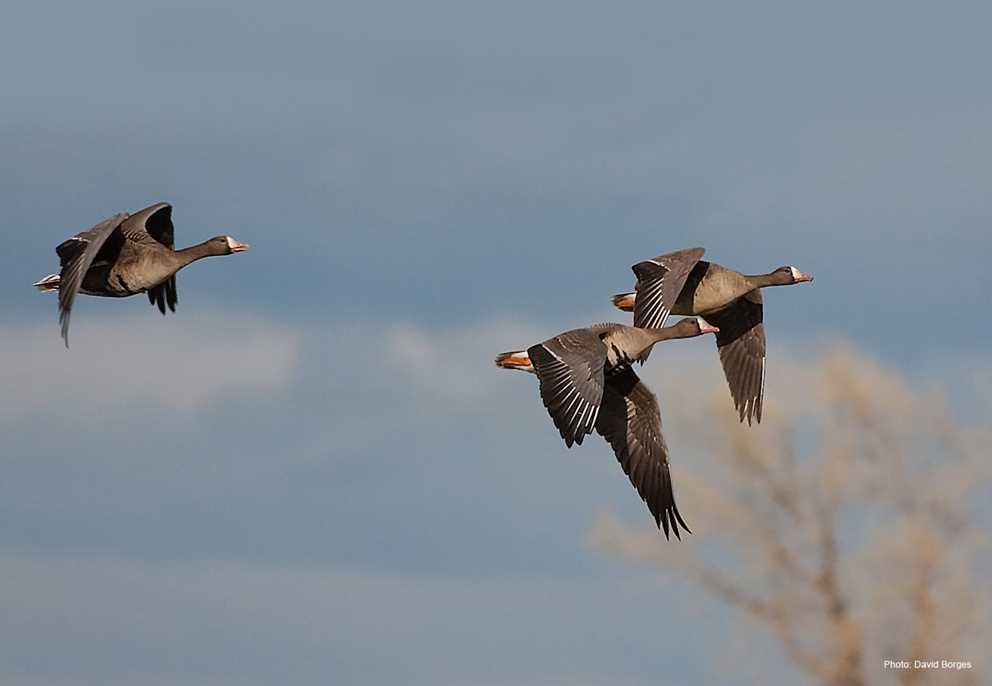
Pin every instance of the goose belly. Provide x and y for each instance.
(143, 272)
(97, 281)
(117, 283)
(104, 294)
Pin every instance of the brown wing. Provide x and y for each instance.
(102, 243)
(155, 222)
(741, 342)
(659, 282)
(570, 369)
(630, 421)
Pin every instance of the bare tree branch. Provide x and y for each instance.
(842, 525)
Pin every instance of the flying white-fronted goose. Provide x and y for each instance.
(125, 255)
(681, 283)
(587, 383)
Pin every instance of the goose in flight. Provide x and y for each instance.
(587, 383)
(682, 283)
(126, 255)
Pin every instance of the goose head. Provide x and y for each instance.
(693, 326)
(518, 359)
(690, 327)
(788, 275)
(704, 326)
(225, 245)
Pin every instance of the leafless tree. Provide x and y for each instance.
(846, 525)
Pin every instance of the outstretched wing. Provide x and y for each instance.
(741, 342)
(630, 421)
(77, 255)
(570, 369)
(155, 222)
(659, 282)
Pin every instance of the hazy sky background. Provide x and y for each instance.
(312, 473)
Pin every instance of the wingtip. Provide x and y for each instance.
(678, 518)
(64, 329)
(669, 520)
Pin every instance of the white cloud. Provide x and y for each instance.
(180, 362)
(455, 364)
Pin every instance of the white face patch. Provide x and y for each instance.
(231, 242)
(795, 273)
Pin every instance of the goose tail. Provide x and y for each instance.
(48, 284)
(518, 359)
(624, 301)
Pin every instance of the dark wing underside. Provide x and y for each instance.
(630, 421)
(102, 243)
(156, 222)
(659, 282)
(741, 342)
(570, 369)
(163, 294)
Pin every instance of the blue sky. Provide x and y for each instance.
(312, 472)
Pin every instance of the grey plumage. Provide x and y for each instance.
(741, 342)
(570, 369)
(681, 283)
(157, 223)
(659, 282)
(77, 254)
(630, 421)
(125, 255)
(587, 384)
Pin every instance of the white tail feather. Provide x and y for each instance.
(48, 284)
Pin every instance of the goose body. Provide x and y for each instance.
(587, 383)
(137, 269)
(125, 255)
(682, 283)
(708, 288)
